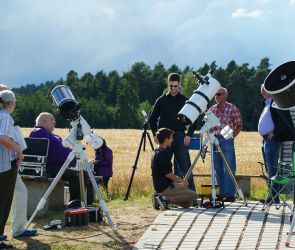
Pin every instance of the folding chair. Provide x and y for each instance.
(285, 177)
(293, 210)
(35, 157)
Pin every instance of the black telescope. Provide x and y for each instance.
(65, 102)
(280, 84)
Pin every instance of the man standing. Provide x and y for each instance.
(164, 115)
(19, 205)
(275, 126)
(229, 115)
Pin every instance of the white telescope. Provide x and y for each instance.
(200, 99)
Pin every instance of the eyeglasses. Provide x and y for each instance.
(173, 86)
(219, 94)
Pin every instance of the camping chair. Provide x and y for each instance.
(35, 157)
(284, 177)
(293, 211)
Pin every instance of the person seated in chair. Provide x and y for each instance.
(57, 155)
(103, 164)
(165, 182)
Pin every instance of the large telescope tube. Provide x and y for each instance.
(280, 84)
(200, 99)
(65, 102)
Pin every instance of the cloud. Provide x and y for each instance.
(292, 2)
(42, 40)
(244, 13)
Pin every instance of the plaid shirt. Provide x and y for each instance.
(228, 114)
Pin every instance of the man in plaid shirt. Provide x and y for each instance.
(229, 115)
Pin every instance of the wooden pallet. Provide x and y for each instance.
(232, 227)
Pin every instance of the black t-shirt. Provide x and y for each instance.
(161, 165)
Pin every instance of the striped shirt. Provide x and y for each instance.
(6, 129)
(228, 114)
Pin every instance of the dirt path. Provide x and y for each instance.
(131, 217)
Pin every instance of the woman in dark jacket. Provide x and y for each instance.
(103, 164)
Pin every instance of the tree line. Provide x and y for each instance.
(111, 100)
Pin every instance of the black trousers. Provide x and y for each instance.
(7, 184)
(72, 177)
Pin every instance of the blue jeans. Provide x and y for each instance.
(224, 180)
(271, 152)
(182, 160)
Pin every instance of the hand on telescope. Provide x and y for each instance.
(186, 140)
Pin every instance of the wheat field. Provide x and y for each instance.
(125, 143)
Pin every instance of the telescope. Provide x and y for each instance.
(280, 84)
(198, 103)
(65, 102)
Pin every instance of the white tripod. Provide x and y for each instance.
(212, 121)
(79, 128)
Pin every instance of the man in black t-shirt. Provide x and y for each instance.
(165, 182)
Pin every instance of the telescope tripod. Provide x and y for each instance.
(144, 134)
(214, 143)
(79, 152)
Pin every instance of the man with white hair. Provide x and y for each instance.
(229, 115)
(57, 155)
(19, 205)
(10, 156)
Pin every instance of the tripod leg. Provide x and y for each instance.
(149, 138)
(43, 200)
(100, 197)
(239, 190)
(189, 172)
(134, 167)
(144, 140)
(82, 183)
(213, 192)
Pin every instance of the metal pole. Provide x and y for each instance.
(239, 190)
(212, 175)
(100, 197)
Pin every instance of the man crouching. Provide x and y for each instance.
(165, 182)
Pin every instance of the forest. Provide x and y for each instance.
(113, 100)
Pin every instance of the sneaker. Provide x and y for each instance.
(3, 237)
(155, 203)
(27, 233)
(5, 245)
(195, 203)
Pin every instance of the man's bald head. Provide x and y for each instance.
(3, 87)
(46, 120)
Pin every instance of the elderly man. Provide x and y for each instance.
(57, 155)
(19, 205)
(10, 156)
(229, 115)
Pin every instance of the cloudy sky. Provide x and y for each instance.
(43, 40)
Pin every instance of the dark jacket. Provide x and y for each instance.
(104, 166)
(164, 114)
(284, 128)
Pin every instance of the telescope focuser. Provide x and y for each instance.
(201, 79)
